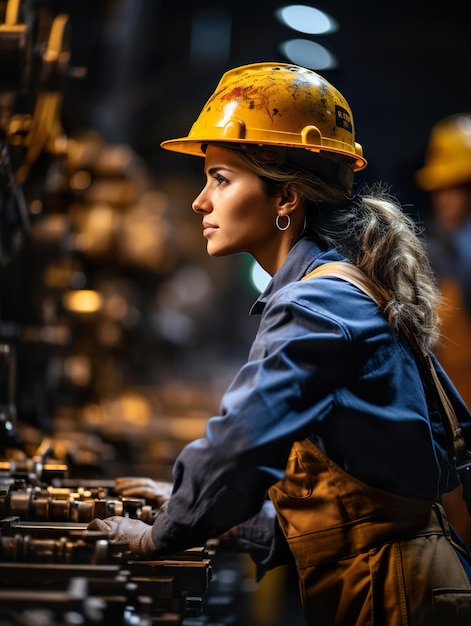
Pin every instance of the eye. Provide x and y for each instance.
(220, 179)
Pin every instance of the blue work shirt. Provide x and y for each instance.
(324, 365)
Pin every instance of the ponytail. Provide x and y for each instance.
(375, 234)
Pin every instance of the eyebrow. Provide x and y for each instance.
(217, 168)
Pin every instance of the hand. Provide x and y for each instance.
(140, 487)
(124, 530)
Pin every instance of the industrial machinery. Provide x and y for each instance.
(53, 571)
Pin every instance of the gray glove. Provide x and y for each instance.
(124, 530)
(140, 487)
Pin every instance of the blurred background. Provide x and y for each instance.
(117, 333)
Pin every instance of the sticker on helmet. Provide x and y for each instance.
(343, 118)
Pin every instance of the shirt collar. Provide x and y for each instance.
(300, 261)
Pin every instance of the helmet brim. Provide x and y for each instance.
(183, 145)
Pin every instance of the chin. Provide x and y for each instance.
(214, 251)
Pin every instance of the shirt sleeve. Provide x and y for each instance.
(262, 538)
(221, 479)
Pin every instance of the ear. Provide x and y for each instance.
(289, 200)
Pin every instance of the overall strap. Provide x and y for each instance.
(380, 296)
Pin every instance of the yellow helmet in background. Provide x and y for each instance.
(448, 154)
(274, 104)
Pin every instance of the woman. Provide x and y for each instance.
(331, 416)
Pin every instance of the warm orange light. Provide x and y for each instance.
(82, 301)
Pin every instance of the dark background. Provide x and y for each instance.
(176, 324)
(402, 66)
(135, 78)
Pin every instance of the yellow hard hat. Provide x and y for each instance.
(448, 154)
(274, 104)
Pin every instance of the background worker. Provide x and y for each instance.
(446, 176)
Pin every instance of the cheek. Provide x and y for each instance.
(244, 209)
(232, 208)
(257, 221)
(258, 210)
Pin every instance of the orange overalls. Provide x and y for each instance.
(366, 557)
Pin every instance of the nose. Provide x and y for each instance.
(201, 203)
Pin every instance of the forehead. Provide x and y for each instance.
(218, 154)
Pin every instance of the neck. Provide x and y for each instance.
(272, 260)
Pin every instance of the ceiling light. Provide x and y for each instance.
(308, 54)
(306, 19)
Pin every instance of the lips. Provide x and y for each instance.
(208, 229)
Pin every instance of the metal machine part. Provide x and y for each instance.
(51, 564)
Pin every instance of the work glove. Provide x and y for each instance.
(124, 530)
(140, 487)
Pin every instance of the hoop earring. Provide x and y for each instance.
(277, 222)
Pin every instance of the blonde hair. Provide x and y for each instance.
(373, 232)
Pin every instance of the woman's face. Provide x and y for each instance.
(237, 214)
